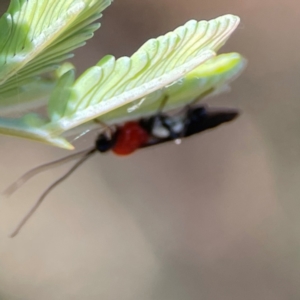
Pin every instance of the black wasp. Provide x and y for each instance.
(133, 135)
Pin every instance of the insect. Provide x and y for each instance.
(133, 135)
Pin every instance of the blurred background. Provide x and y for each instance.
(214, 218)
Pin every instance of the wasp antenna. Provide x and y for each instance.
(31, 173)
(48, 190)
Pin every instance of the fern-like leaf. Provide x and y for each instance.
(155, 69)
(36, 35)
(113, 83)
(209, 78)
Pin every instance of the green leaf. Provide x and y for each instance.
(31, 127)
(113, 83)
(36, 35)
(179, 63)
(31, 95)
(206, 79)
(26, 97)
